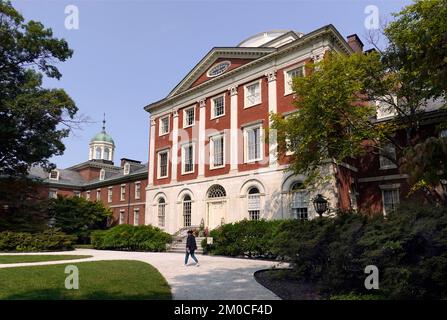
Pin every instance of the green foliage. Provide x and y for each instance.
(49, 240)
(244, 238)
(79, 216)
(132, 238)
(30, 114)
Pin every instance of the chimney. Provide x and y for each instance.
(355, 43)
(124, 160)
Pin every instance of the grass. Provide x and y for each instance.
(5, 259)
(124, 280)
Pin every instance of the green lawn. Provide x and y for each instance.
(37, 258)
(97, 280)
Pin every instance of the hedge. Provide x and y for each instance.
(131, 238)
(49, 240)
(409, 248)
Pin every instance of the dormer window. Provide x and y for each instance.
(102, 174)
(54, 175)
(126, 168)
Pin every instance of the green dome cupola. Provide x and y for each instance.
(102, 146)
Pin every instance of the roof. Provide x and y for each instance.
(102, 137)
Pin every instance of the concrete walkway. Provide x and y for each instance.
(217, 278)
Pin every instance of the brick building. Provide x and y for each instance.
(121, 188)
(209, 162)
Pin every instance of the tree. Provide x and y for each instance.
(29, 114)
(78, 216)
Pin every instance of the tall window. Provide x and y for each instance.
(163, 164)
(123, 193)
(254, 203)
(98, 195)
(98, 153)
(87, 195)
(136, 217)
(218, 104)
(77, 194)
(188, 117)
(217, 151)
(102, 174)
(252, 94)
(188, 158)
(187, 211)
(161, 212)
(52, 194)
(300, 201)
(164, 125)
(387, 155)
(106, 153)
(253, 143)
(109, 194)
(289, 76)
(390, 197)
(137, 190)
(121, 216)
(126, 170)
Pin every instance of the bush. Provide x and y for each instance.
(49, 240)
(244, 238)
(132, 238)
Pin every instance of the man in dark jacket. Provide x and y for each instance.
(191, 246)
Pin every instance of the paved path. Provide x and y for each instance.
(217, 278)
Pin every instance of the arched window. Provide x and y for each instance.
(300, 201)
(102, 174)
(186, 210)
(98, 153)
(126, 168)
(254, 203)
(161, 211)
(216, 191)
(106, 153)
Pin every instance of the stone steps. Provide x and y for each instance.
(179, 245)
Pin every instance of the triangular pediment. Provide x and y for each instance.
(219, 58)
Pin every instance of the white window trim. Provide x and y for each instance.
(389, 187)
(160, 133)
(57, 175)
(54, 191)
(109, 194)
(261, 139)
(98, 191)
(136, 213)
(102, 174)
(122, 196)
(137, 183)
(288, 89)
(158, 164)
(212, 106)
(184, 117)
(123, 215)
(126, 168)
(185, 145)
(246, 104)
(212, 138)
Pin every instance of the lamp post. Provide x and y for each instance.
(320, 204)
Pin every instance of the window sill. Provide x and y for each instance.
(252, 105)
(217, 117)
(216, 167)
(163, 134)
(388, 167)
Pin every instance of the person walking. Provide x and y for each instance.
(191, 246)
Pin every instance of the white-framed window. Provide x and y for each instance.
(299, 202)
(77, 193)
(390, 198)
(163, 125)
(186, 203)
(385, 109)
(87, 195)
(137, 190)
(189, 117)
(102, 174)
(162, 171)
(218, 106)
(387, 155)
(126, 169)
(136, 217)
(98, 194)
(254, 204)
(161, 211)
(98, 153)
(123, 192)
(289, 74)
(109, 194)
(52, 194)
(443, 133)
(188, 158)
(106, 154)
(252, 143)
(252, 94)
(217, 151)
(54, 175)
(122, 217)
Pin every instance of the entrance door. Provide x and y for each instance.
(216, 211)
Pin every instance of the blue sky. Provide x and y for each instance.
(131, 53)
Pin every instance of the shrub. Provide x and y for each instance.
(49, 240)
(132, 238)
